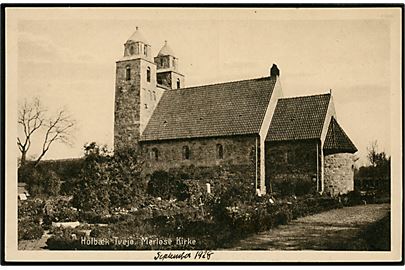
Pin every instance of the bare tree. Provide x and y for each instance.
(57, 129)
(372, 154)
(32, 117)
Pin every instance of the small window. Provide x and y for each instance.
(186, 152)
(161, 62)
(146, 106)
(173, 63)
(145, 50)
(131, 50)
(154, 95)
(150, 95)
(178, 83)
(155, 154)
(148, 74)
(127, 73)
(220, 151)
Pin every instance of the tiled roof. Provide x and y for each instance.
(336, 139)
(299, 118)
(232, 108)
(138, 36)
(166, 50)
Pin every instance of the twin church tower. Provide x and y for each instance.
(141, 80)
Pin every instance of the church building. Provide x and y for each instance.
(247, 125)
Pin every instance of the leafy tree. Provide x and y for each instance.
(108, 181)
(126, 185)
(52, 183)
(91, 191)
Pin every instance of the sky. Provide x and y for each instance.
(66, 57)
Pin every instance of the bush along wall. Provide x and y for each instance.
(213, 221)
(177, 204)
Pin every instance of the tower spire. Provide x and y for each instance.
(167, 68)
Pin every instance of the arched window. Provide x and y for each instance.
(186, 152)
(220, 151)
(148, 74)
(127, 73)
(145, 50)
(131, 50)
(178, 83)
(155, 154)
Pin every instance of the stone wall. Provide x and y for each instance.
(204, 163)
(135, 100)
(339, 173)
(288, 162)
(127, 99)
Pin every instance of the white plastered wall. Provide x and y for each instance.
(329, 113)
(277, 93)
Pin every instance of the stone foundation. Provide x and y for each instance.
(339, 173)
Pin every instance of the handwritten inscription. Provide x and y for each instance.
(197, 255)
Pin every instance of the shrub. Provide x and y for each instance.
(298, 187)
(40, 180)
(283, 216)
(303, 187)
(65, 239)
(352, 198)
(59, 210)
(29, 230)
(31, 209)
(165, 185)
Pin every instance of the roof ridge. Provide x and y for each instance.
(306, 96)
(213, 84)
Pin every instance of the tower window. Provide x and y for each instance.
(161, 62)
(131, 50)
(220, 151)
(155, 154)
(186, 152)
(173, 63)
(145, 50)
(148, 74)
(154, 95)
(150, 95)
(128, 73)
(178, 83)
(137, 48)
